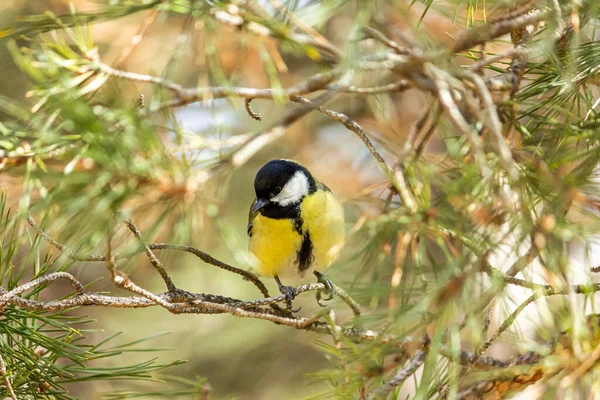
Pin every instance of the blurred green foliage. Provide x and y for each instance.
(76, 149)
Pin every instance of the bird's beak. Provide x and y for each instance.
(260, 203)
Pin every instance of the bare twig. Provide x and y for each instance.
(456, 117)
(207, 258)
(490, 31)
(153, 259)
(6, 378)
(375, 34)
(121, 280)
(62, 247)
(354, 127)
(254, 144)
(495, 125)
(401, 376)
(184, 96)
(254, 115)
(311, 85)
(506, 324)
(509, 53)
(6, 297)
(192, 304)
(394, 87)
(249, 276)
(133, 76)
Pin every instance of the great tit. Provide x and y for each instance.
(295, 225)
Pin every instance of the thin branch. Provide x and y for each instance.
(377, 35)
(153, 259)
(207, 258)
(341, 293)
(434, 111)
(254, 144)
(254, 115)
(61, 247)
(133, 76)
(449, 105)
(6, 378)
(506, 324)
(394, 87)
(401, 376)
(192, 304)
(6, 297)
(354, 127)
(123, 281)
(187, 96)
(495, 125)
(184, 96)
(509, 53)
(493, 30)
(249, 276)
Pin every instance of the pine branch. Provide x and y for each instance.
(459, 205)
(153, 259)
(121, 280)
(153, 246)
(179, 302)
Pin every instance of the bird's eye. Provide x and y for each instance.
(277, 190)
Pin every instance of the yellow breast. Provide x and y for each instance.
(275, 242)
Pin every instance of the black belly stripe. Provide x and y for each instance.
(305, 255)
(298, 224)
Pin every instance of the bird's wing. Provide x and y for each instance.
(251, 216)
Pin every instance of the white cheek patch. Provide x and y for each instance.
(293, 191)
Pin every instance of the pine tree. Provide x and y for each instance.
(470, 240)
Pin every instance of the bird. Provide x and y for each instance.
(295, 225)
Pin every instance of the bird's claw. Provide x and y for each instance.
(289, 293)
(329, 289)
(319, 299)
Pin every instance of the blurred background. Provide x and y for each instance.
(168, 195)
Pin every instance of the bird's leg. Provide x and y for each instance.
(328, 285)
(289, 294)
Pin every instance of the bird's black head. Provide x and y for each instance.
(280, 186)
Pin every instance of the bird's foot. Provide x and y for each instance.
(329, 288)
(289, 293)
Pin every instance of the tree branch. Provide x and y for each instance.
(401, 376)
(354, 127)
(247, 275)
(153, 259)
